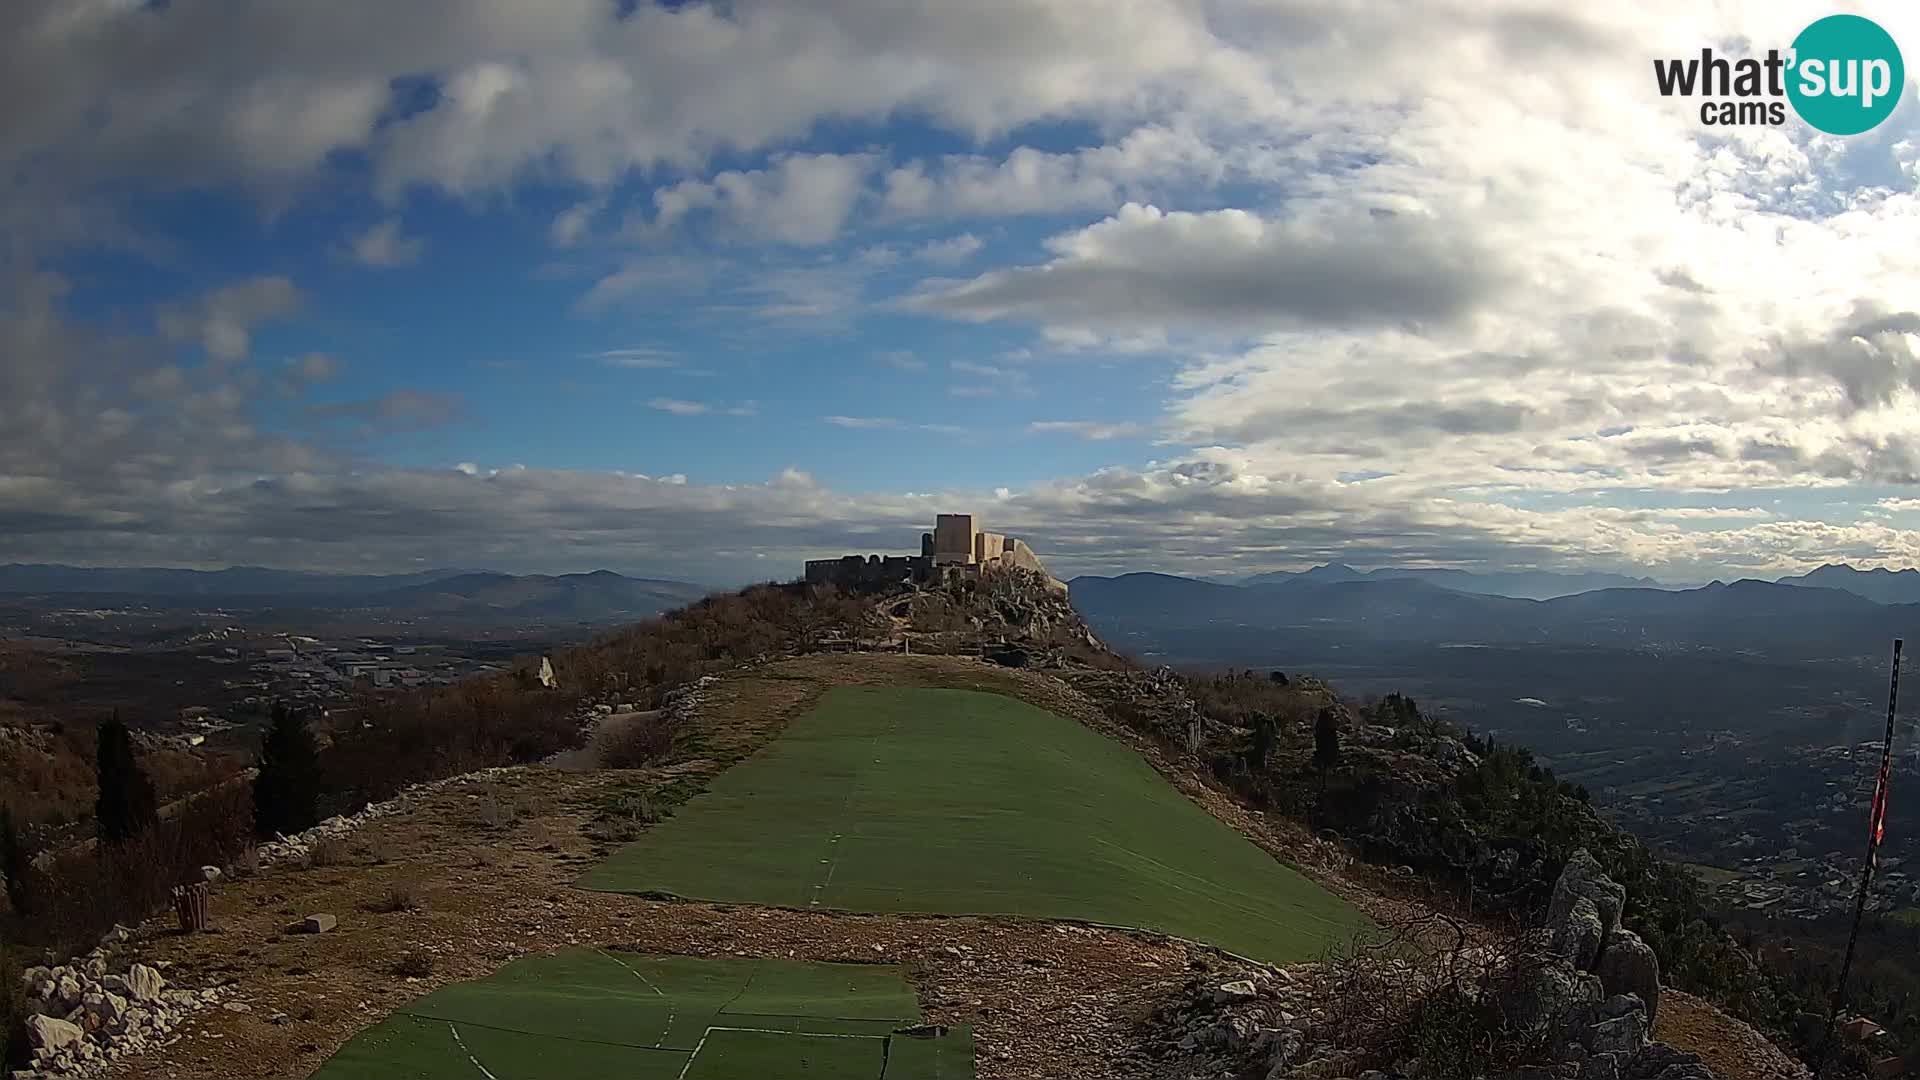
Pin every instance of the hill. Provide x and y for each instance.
(459, 876)
(1880, 585)
(1782, 620)
(600, 595)
(1521, 585)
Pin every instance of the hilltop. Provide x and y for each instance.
(1415, 818)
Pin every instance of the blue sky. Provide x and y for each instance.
(701, 291)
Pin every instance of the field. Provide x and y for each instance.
(590, 1013)
(958, 802)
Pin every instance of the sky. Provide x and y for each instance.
(704, 290)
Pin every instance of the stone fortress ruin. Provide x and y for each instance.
(957, 547)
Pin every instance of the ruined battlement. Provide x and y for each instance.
(957, 545)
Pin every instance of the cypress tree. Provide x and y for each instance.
(286, 793)
(13, 861)
(126, 805)
(1326, 740)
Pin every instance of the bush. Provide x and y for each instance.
(641, 743)
(623, 818)
(15, 1051)
(128, 881)
(400, 896)
(1427, 991)
(413, 964)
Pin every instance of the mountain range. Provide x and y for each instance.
(1793, 618)
(597, 596)
(1530, 584)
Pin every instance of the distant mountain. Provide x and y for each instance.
(1745, 615)
(1525, 585)
(1880, 585)
(602, 594)
(235, 581)
(599, 596)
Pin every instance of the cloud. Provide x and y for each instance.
(1091, 430)
(861, 423)
(1145, 268)
(903, 360)
(642, 357)
(222, 321)
(400, 410)
(803, 200)
(384, 245)
(681, 407)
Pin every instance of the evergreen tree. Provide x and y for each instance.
(13, 861)
(126, 805)
(1326, 740)
(1266, 732)
(286, 794)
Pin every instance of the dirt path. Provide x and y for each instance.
(594, 754)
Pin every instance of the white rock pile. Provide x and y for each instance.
(284, 848)
(84, 1015)
(681, 703)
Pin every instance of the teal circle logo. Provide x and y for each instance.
(1846, 75)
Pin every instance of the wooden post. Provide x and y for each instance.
(190, 903)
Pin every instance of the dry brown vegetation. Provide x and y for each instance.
(77, 894)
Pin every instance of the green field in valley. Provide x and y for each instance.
(959, 802)
(588, 1014)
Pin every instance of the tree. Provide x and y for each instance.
(1326, 740)
(286, 793)
(1266, 732)
(126, 805)
(13, 861)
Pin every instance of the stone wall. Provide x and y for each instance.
(869, 571)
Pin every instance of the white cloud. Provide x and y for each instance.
(1091, 430)
(679, 407)
(384, 245)
(803, 200)
(222, 321)
(644, 357)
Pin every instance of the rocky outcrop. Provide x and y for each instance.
(1599, 985)
(1584, 987)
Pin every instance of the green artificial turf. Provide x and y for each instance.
(585, 1014)
(958, 802)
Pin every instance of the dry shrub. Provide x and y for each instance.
(1432, 990)
(378, 850)
(413, 964)
(640, 743)
(400, 896)
(329, 851)
(495, 812)
(623, 818)
(84, 892)
(245, 865)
